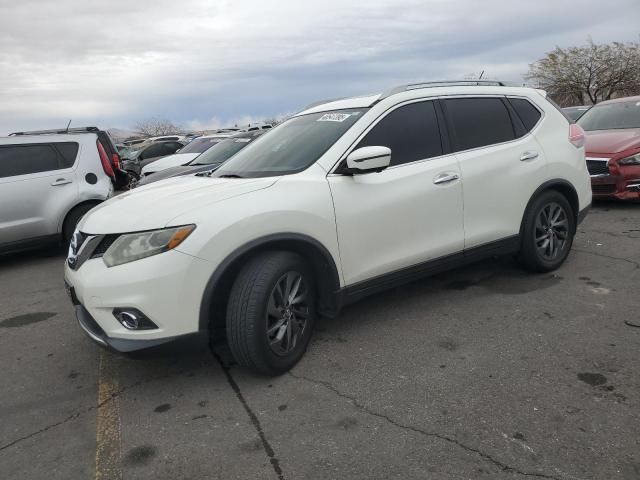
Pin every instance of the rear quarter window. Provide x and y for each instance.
(478, 122)
(68, 152)
(528, 114)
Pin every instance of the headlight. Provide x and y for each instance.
(134, 246)
(632, 160)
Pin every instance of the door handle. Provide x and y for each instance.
(445, 178)
(60, 181)
(528, 156)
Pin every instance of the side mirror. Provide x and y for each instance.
(367, 160)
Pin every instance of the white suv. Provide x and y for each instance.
(48, 181)
(344, 199)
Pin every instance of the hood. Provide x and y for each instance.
(611, 141)
(169, 161)
(175, 171)
(154, 206)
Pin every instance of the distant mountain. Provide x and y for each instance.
(121, 134)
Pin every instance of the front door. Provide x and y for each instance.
(407, 214)
(35, 188)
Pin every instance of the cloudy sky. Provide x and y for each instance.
(214, 63)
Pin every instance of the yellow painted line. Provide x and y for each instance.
(108, 465)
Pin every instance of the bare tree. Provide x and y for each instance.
(277, 120)
(155, 127)
(588, 74)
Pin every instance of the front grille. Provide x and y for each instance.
(603, 189)
(598, 167)
(104, 245)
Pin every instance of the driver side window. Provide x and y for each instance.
(410, 131)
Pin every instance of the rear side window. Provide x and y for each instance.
(527, 112)
(171, 147)
(26, 159)
(410, 131)
(68, 152)
(154, 150)
(478, 122)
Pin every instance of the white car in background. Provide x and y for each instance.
(184, 155)
(341, 201)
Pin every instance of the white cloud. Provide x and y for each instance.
(208, 63)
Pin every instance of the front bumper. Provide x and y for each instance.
(615, 186)
(95, 333)
(167, 288)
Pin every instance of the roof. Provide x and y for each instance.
(437, 88)
(635, 98)
(57, 131)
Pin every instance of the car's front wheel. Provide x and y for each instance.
(271, 312)
(548, 232)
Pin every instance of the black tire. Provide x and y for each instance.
(254, 291)
(545, 246)
(72, 219)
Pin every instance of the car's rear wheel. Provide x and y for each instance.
(548, 232)
(271, 312)
(132, 180)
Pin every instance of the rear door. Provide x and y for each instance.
(502, 164)
(410, 212)
(37, 185)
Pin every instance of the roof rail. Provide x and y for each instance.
(57, 131)
(445, 83)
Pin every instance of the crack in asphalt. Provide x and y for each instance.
(73, 416)
(275, 463)
(632, 262)
(81, 412)
(356, 403)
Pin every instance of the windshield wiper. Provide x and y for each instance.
(231, 175)
(206, 173)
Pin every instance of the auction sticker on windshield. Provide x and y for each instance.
(334, 117)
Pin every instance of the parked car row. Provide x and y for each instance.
(344, 199)
(137, 156)
(207, 161)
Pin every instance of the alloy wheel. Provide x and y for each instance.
(551, 231)
(287, 313)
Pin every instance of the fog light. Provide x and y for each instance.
(133, 319)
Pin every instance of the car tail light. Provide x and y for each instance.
(104, 159)
(576, 135)
(116, 161)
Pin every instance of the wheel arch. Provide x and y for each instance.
(92, 201)
(320, 259)
(559, 185)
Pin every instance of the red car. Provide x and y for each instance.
(612, 131)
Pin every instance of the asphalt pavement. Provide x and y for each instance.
(483, 372)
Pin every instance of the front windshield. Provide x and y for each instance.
(221, 151)
(292, 146)
(200, 145)
(611, 116)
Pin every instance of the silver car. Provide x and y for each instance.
(48, 181)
